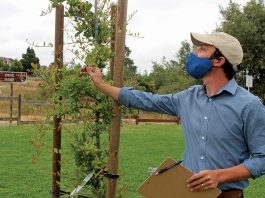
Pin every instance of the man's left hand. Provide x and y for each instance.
(203, 180)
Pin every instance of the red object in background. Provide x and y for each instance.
(7, 76)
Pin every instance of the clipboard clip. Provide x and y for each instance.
(168, 167)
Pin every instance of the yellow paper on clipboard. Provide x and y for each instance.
(172, 184)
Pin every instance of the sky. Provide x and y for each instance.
(163, 24)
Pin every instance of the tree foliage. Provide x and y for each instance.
(92, 30)
(28, 59)
(15, 66)
(94, 110)
(130, 69)
(77, 99)
(248, 25)
(170, 76)
(91, 36)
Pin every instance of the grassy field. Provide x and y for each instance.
(141, 146)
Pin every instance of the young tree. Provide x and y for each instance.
(28, 59)
(90, 42)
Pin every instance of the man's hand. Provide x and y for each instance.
(207, 179)
(96, 77)
(93, 72)
(203, 180)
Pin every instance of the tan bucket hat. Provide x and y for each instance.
(228, 45)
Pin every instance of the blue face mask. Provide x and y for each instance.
(197, 67)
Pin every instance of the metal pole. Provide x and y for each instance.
(58, 63)
(117, 77)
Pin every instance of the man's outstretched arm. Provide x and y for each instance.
(96, 77)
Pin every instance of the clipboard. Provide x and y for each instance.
(172, 183)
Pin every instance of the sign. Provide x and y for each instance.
(249, 81)
(8, 76)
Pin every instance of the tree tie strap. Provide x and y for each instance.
(109, 175)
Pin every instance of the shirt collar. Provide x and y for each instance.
(230, 87)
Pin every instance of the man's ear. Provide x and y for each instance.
(218, 62)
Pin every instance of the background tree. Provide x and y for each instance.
(130, 69)
(3, 66)
(170, 76)
(158, 73)
(183, 53)
(28, 59)
(248, 25)
(16, 66)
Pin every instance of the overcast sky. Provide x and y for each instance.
(162, 23)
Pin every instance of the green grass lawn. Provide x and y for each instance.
(141, 146)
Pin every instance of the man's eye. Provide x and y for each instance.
(201, 48)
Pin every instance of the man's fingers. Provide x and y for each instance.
(82, 69)
(194, 177)
(199, 182)
(87, 70)
(203, 180)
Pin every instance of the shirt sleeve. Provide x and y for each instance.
(168, 103)
(254, 131)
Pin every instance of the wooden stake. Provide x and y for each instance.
(58, 63)
(113, 26)
(117, 78)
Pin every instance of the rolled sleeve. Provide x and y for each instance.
(147, 101)
(254, 129)
(123, 98)
(256, 163)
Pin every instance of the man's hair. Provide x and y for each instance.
(228, 68)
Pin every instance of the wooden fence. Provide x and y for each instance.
(17, 101)
(11, 117)
(15, 109)
(139, 119)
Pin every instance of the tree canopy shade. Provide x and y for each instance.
(248, 25)
(29, 58)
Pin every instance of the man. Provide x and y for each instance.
(223, 123)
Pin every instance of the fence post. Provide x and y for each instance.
(137, 119)
(11, 102)
(19, 109)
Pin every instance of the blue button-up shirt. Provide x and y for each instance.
(221, 131)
